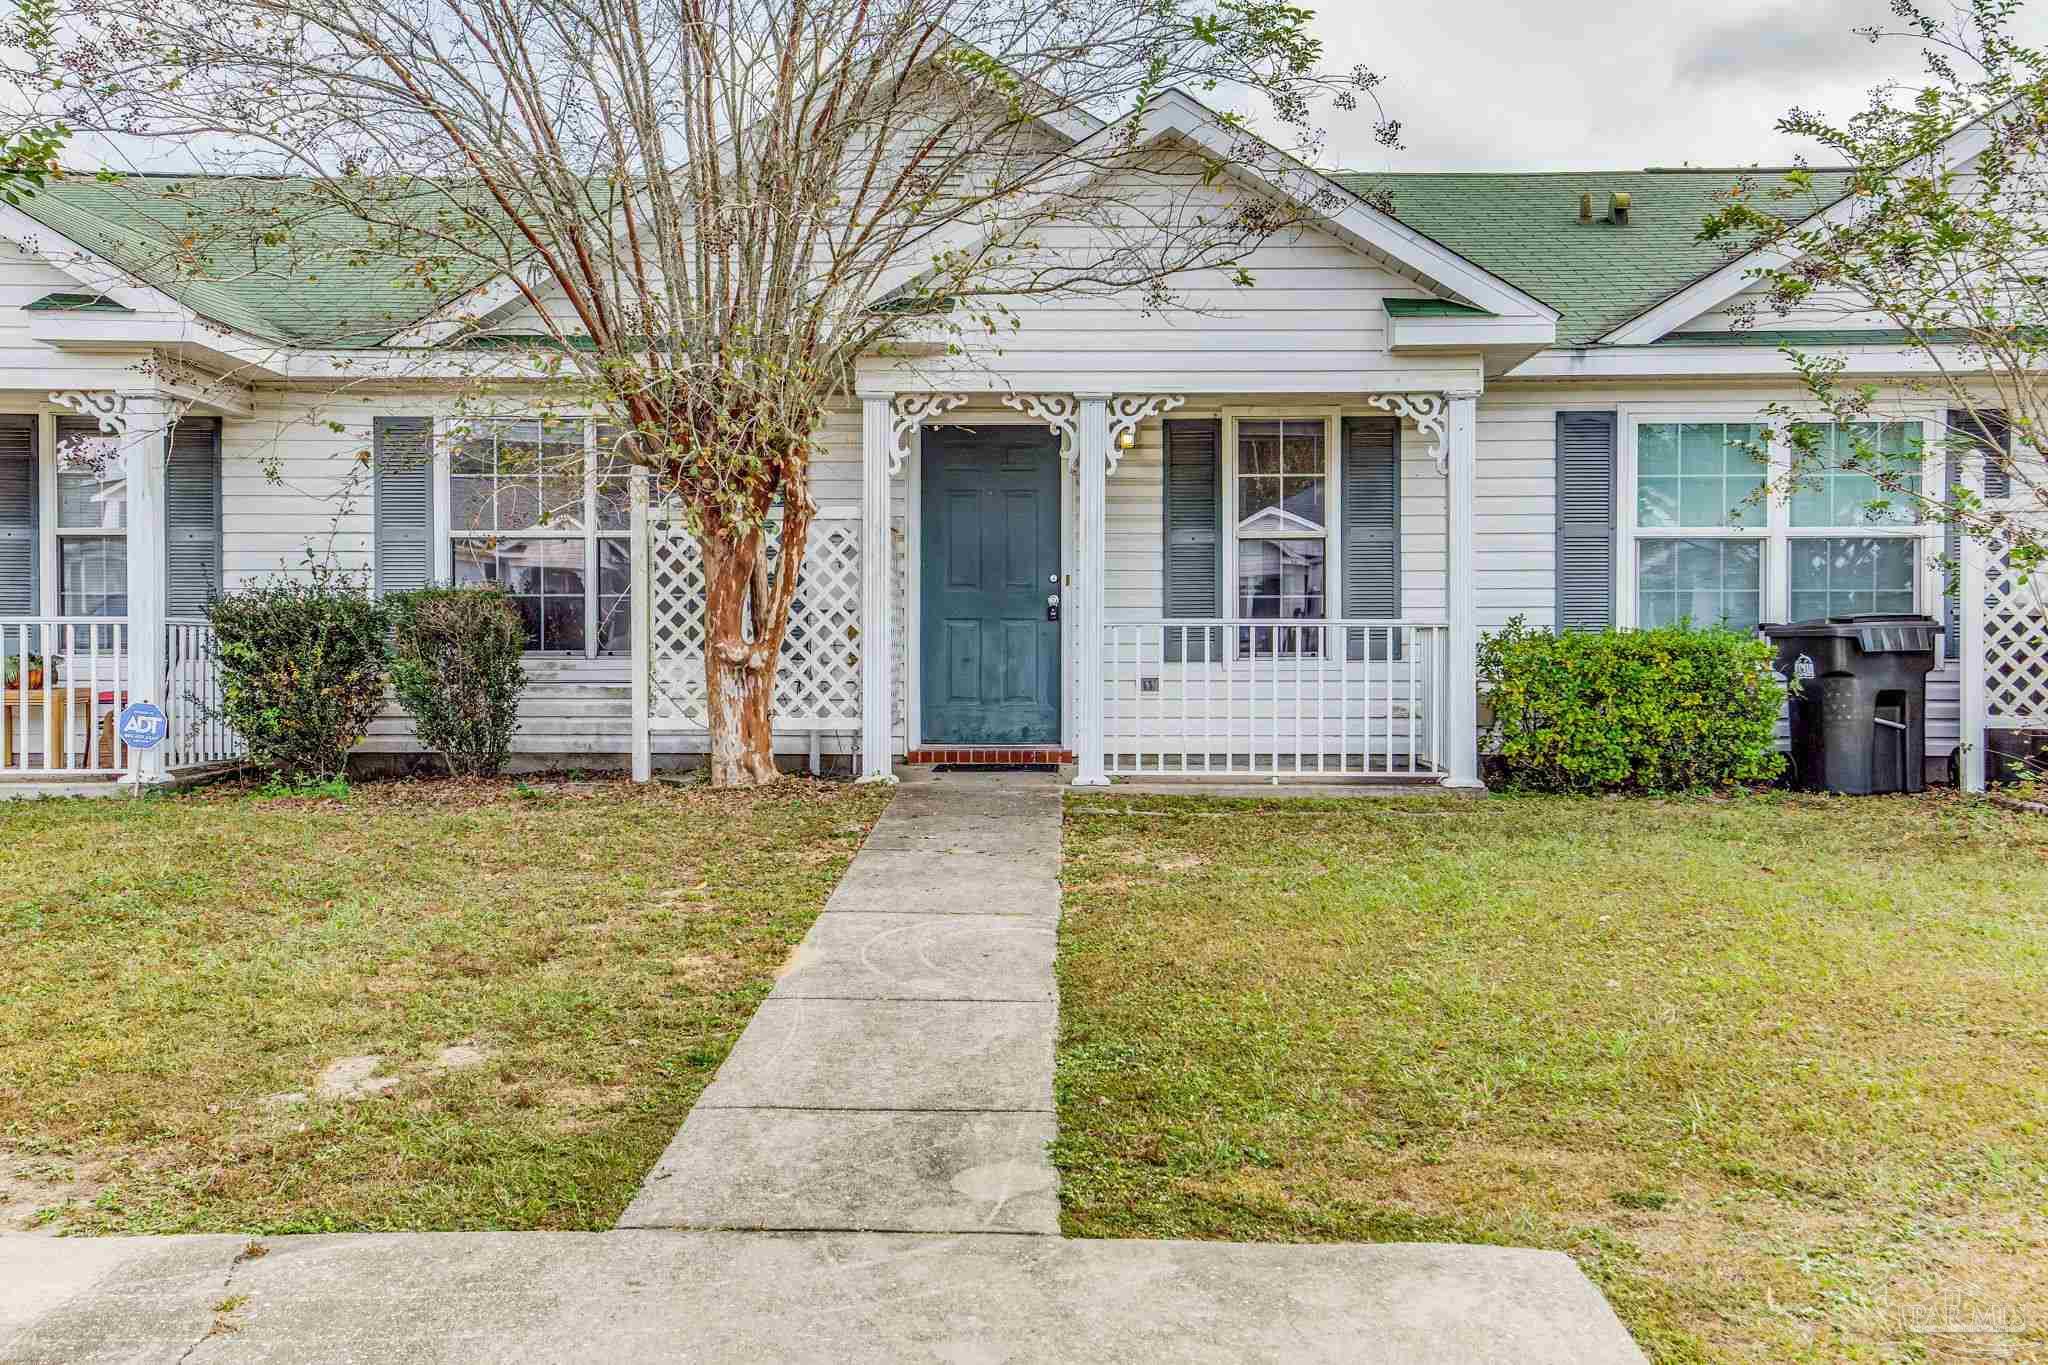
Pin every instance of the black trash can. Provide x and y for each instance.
(1859, 718)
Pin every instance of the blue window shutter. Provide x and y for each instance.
(19, 516)
(1994, 435)
(1194, 535)
(1586, 525)
(1371, 471)
(402, 477)
(192, 541)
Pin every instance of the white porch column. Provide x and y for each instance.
(643, 629)
(144, 452)
(1091, 448)
(1971, 578)
(1461, 719)
(877, 627)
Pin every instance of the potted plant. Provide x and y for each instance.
(35, 671)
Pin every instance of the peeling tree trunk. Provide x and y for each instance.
(746, 619)
(739, 675)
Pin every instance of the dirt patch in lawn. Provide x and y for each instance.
(36, 1192)
(1774, 1069)
(424, 1005)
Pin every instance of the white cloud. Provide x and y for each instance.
(1569, 85)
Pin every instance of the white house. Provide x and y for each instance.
(1258, 539)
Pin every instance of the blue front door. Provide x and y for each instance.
(991, 562)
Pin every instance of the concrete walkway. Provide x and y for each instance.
(899, 1077)
(750, 1298)
(849, 1188)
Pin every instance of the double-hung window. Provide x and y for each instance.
(1700, 527)
(541, 507)
(1281, 518)
(92, 522)
(1707, 547)
(1875, 566)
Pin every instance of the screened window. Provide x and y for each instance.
(92, 522)
(541, 507)
(1282, 496)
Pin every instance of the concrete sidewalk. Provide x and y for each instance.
(621, 1297)
(899, 1077)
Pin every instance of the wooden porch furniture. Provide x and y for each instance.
(57, 705)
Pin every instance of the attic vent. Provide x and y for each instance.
(1617, 209)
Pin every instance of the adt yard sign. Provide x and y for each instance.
(143, 726)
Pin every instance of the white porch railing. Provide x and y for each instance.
(198, 736)
(1266, 698)
(66, 679)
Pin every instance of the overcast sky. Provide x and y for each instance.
(1579, 85)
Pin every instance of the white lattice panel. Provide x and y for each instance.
(817, 685)
(2015, 649)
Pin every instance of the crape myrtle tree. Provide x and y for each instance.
(707, 209)
(1950, 254)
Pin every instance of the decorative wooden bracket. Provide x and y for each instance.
(1427, 411)
(910, 411)
(1061, 412)
(1126, 413)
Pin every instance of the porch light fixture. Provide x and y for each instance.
(1126, 438)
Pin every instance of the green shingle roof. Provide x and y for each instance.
(1525, 228)
(327, 283)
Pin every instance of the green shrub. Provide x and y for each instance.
(1672, 709)
(302, 671)
(455, 664)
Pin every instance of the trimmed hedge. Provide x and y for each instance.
(302, 671)
(456, 666)
(1671, 709)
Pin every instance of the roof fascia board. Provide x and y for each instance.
(1711, 291)
(249, 359)
(1732, 362)
(1413, 333)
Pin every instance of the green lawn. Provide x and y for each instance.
(1774, 1069)
(173, 966)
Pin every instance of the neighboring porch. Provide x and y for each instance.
(67, 681)
(1015, 586)
(132, 498)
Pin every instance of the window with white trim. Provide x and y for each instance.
(541, 507)
(1840, 575)
(1707, 548)
(1280, 501)
(1699, 542)
(92, 521)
